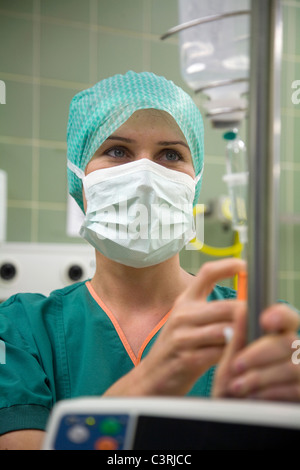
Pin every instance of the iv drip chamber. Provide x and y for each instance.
(236, 179)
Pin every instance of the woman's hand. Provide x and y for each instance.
(263, 369)
(193, 339)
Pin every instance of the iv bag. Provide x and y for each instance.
(216, 51)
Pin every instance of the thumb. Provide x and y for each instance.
(236, 343)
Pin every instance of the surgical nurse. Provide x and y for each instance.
(142, 326)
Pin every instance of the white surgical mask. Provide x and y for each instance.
(139, 213)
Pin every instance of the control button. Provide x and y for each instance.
(110, 426)
(71, 420)
(78, 434)
(106, 443)
(90, 421)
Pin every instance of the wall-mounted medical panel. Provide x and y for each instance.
(42, 268)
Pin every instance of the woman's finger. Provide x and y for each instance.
(197, 313)
(280, 317)
(266, 350)
(211, 273)
(235, 345)
(264, 378)
(283, 392)
(202, 337)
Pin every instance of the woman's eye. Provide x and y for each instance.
(172, 156)
(116, 152)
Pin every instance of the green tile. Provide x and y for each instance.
(164, 15)
(294, 11)
(297, 139)
(283, 188)
(283, 290)
(121, 15)
(19, 224)
(286, 125)
(118, 54)
(214, 143)
(213, 185)
(16, 115)
(296, 235)
(16, 45)
(64, 53)
(75, 10)
(165, 62)
(52, 175)
(296, 300)
(284, 246)
(54, 111)
(17, 5)
(287, 78)
(296, 176)
(16, 160)
(285, 30)
(52, 227)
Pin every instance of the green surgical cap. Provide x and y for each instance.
(99, 111)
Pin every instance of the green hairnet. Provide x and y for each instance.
(97, 112)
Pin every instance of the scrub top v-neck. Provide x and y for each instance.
(136, 359)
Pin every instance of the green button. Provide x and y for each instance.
(90, 421)
(110, 426)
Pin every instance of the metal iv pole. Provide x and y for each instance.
(263, 159)
(263, 145)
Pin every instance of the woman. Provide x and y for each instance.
(142, 326)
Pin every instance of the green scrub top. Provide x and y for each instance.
(65, 346)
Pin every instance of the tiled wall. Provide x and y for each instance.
(290, 157)
(51, 49)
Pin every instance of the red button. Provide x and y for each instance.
(106, 443)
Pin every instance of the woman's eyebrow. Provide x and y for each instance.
(173, 142)
(122, 139)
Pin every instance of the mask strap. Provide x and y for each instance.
(198, 177)
(78, 172)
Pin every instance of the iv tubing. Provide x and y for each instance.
(234, 250)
